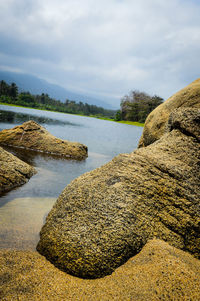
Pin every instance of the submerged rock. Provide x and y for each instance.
(31, 136)
(158, 272)
(155, 124)
(107, 215)
(13, 171)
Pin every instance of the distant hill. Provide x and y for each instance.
(35, 85)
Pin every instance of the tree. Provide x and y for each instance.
(4, 88)
(26, 98)
(118, 116)
(13, 91)
(43, 98)
(137, 105)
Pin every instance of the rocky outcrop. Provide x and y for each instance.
(155, 124)
(31, 136)
(106, 216)
(158, 272)
(13, 171)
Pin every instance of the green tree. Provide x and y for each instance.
(137, 105)
(4, 88)
(118, 116)
(13, 91)
(25, 98)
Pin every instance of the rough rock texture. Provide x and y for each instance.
(158, 272)
(155, 125)
(31, 135)
(13, 171)
(105, 216)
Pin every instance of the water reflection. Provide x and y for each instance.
(30, 156)
(22, 154)
(15, 117)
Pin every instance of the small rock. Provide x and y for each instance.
(32, 136)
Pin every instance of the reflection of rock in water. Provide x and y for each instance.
(21, 220)
(22, 154)
(30, 155)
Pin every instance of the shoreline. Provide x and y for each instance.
(134, 123)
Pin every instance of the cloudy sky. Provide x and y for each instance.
(103, 48)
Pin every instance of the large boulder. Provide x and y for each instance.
(31, 136)
(155, 124)
(107, 215)
(13, 171)
(158, 272)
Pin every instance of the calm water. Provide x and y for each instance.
(23, 210)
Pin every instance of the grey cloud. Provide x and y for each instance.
(104, 48)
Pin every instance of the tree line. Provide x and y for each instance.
(134, 107)
(10, 94)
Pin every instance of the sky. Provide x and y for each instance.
(103, 48)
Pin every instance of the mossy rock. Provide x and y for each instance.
(158, 272)
(107, 215)
(31, 136)
(155, 124)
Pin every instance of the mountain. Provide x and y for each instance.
(35, 85)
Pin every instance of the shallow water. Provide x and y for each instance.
(23, 209)
(21, 221)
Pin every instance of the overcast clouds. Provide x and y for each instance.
(103, 48)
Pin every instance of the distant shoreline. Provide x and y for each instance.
(92, 116)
